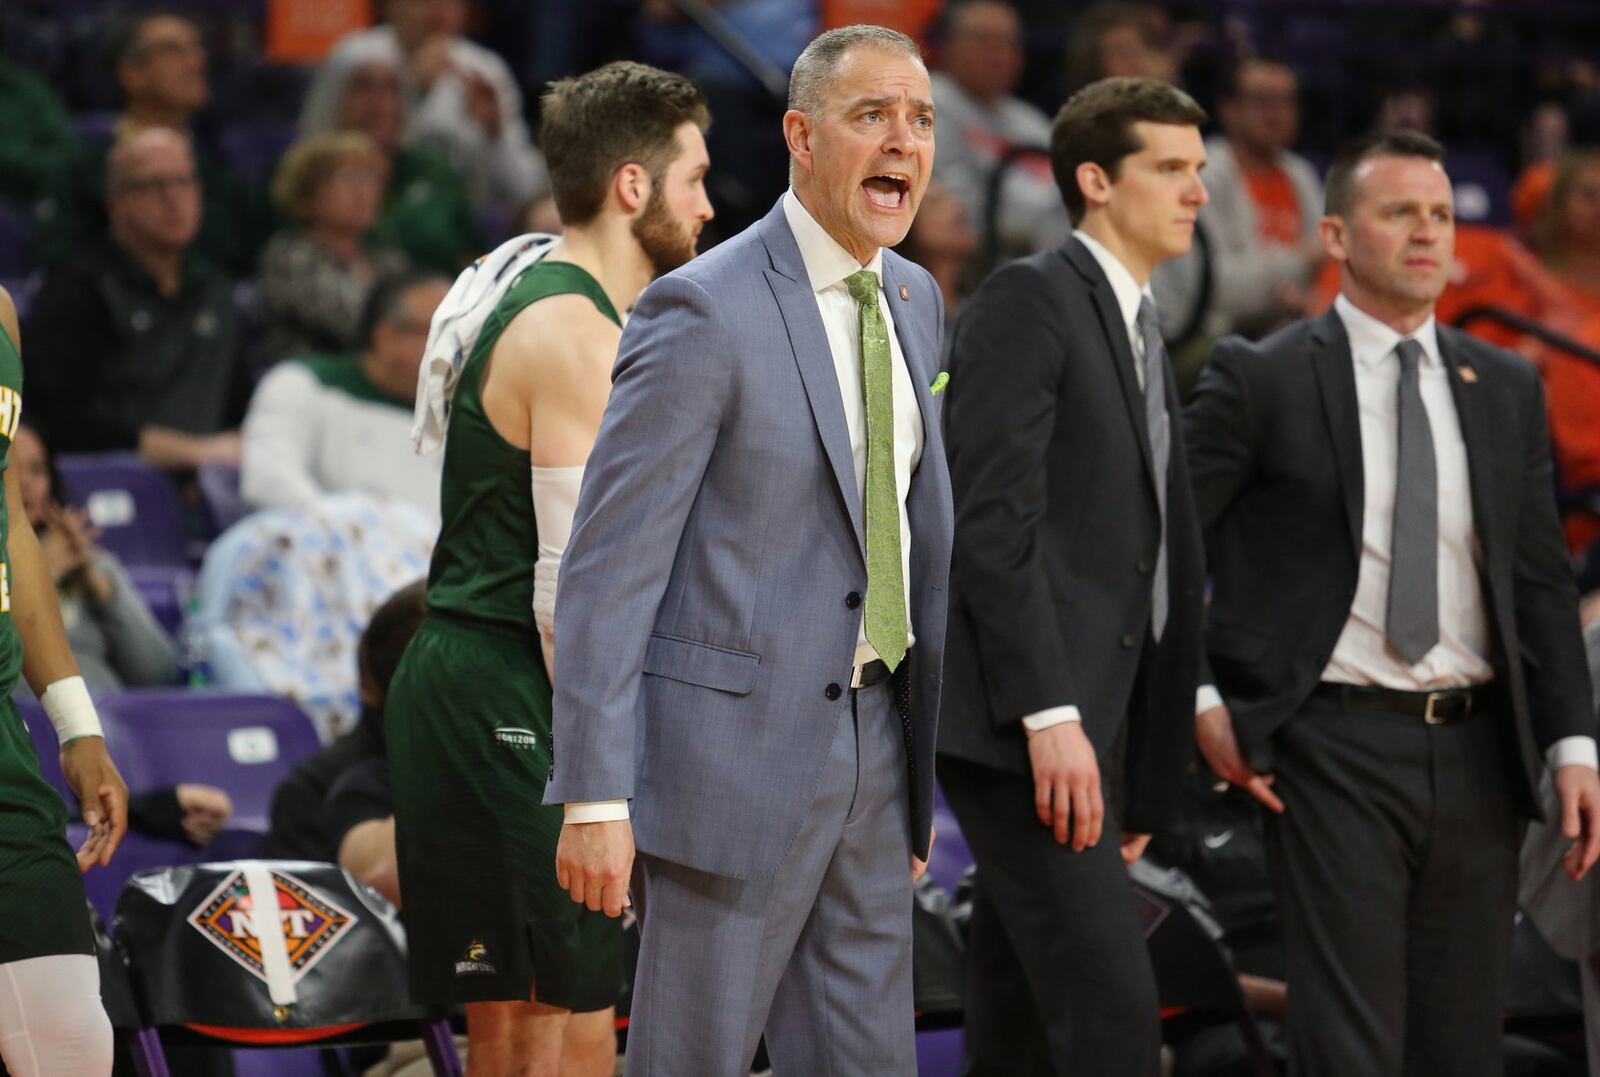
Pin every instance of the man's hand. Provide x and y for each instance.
(205, 810)
(594, 862)
(1066, 783)
(918, 867)
(102, 795)
(1578, 787)
(1214, 730)
(1133, 846)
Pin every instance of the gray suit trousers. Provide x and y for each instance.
(818, 956)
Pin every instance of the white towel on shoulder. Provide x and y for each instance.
(455, 329)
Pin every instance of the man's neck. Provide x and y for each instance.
(164, 266)
(143, 114)
(1098, 226)
(1252, 158)
(607, 249)
(1403, 317)
(811, 202)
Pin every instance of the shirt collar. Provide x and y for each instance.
(1371, 341)
(1123, 286)
(826, 262)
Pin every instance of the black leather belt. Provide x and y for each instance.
(1434, 708)
(874, 672)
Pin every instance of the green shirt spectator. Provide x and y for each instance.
(39, 137)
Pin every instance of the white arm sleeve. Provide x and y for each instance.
(555, 500)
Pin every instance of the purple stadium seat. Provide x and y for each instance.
(22, 290)
(44, 743)
(166, 591)
(134, 505)
(246, 744)
(219, 486)
(252, 150)
(136, 853)
(939, 1052)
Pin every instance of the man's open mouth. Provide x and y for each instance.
(887, 190)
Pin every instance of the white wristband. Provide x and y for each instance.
(70, 710)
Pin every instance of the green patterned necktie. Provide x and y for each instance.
(886, 589)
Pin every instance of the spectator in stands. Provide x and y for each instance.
(110, 629)
(425, 209)
(342, 423)
(464, 102)
(1567, 232)
(1265, 202)
(135, 343)
(1119, 39)
(942, 241)
(161, 65)
(315, 278)
(981, 124)
(39, 137)
(298, 804)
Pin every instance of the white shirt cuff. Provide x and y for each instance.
(1206, 697)
(1044, 719)
(596, 811)
(1569, 751)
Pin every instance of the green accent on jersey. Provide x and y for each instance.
(344, 374)
(483, 564)
(10, 642)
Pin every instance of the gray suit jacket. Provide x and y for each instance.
(710, 595)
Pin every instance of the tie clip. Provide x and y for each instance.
(1468, 375)
(905, 293)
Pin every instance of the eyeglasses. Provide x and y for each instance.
(159, 185)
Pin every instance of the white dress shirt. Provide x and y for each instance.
(1461, 657)
(827, 265)
(1128, 293)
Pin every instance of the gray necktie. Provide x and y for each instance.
(1160, 428)
(1413, 624)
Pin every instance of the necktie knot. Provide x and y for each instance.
(863, 286)
(1148, 325)
(1410, 353)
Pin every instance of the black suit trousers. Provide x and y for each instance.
(1395, 863)
(1059, 980)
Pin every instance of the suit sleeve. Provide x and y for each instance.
(1546, 595)
(1005, 368)
(1219, 431)
(669, 389)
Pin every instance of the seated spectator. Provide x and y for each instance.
(941, 240)
(161, 65)
(135, 343)
(298, 804)
(315, 277)
(425, 211)
(39, 137)
(464, 102)
(980, 123)
(342, 423)
(1566, 235)
(1265, 203)
(114, 637)
(1120, 39)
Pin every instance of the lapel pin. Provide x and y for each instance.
(905, 293)
(1468, 375)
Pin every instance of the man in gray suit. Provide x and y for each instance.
(750, 617)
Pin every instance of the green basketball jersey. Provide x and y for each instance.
(483, 564)
(10, 416)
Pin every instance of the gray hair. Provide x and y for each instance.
(813, 71)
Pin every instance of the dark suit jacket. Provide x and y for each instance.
(1274, 440)
(1057, 530)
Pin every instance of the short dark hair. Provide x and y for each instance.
(1339, 194)
(813, 70)
(389, 631)
(1096, 126)
(1230, 90)
(386, 302)
(127, 33)
(622, 113)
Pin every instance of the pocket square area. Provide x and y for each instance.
(939, 383)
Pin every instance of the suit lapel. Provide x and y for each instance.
(809, 341)
(1477, 431)
(1336, 383)
(910, 347)
(1121, 352)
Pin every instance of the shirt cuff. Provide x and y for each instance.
(1044, 719)
(596, 811)
(1206, 697)
(1569, 751)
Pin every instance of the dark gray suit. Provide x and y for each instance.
(710, 601)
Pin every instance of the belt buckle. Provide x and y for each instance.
(1431, 718)
(855, 676)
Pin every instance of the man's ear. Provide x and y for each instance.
(1093, 183)
(797, 131)
(1331, 230)
(631, 185)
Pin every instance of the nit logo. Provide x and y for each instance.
(311, 924)
(475, 959)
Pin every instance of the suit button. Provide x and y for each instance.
(852, 600)
(1144, 566)
(833, 691)
(1127, 640)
